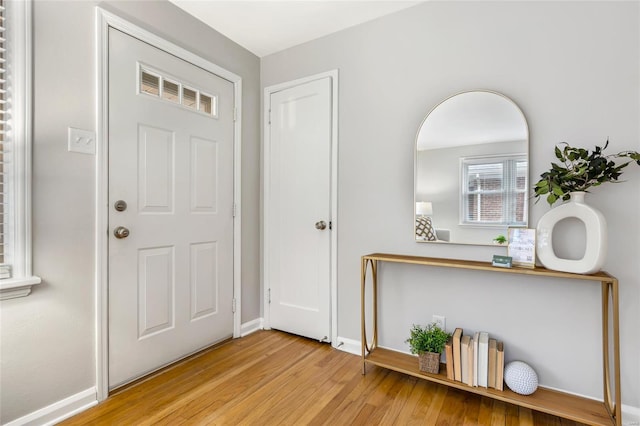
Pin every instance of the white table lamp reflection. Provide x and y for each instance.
(424, 227)
(424, 208)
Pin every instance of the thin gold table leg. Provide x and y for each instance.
(612, 401)
(363, 330)
(366, 348)
(616, 350)
(374, 275)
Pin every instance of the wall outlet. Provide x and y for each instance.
(440, 321)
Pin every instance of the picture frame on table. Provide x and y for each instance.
(522, 247)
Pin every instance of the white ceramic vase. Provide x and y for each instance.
(596, 237)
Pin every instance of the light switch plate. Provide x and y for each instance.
(82, 141)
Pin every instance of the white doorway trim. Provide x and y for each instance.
(105, 20)
(333, 74)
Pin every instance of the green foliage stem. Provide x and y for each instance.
(580, 170)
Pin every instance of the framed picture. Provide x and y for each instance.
(522, 247)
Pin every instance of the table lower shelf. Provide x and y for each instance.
(549, 401)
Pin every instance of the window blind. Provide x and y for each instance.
(494, 191)
(485, 188)
(16, 278)
(4, 145)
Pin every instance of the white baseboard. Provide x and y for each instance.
(59, 411)
(349, 345)
(251, 326)
(630, 415)
(354, 347)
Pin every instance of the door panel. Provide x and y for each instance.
(155, 169)
(156, 289)
(171, 279)
(204, 182)
(299, 196)
(204, 279)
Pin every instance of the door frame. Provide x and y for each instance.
(266, 168)
(103, 21)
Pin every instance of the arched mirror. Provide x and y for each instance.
(471, 170)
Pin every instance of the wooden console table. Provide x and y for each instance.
(559, 404)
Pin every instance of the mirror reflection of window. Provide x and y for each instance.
(494, 191)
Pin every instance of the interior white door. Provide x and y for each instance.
(171, 162)
(298, 249)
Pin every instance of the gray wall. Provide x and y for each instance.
(573, 68)
(48, 338)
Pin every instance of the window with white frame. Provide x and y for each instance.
(159, 86)
(15, 149)
(494, 190)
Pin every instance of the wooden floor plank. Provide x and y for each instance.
(274, 378)
(273, 396)
(436, 405)
(151, 395)
(512, 415)
(471, 410)
(423, 412)
(498, 413)
(525, 416)
(233, 390)
(323, 381)
(393, 412)
(485, 412)
(452, 413)
(346, 406)
(316, 404)
(411, 402)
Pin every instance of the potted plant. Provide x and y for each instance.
(500, 239)
(580, 170)
(428, 343)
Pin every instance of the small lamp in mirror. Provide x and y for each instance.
(424, 208)
(424, 227)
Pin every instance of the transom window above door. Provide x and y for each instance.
(156, 84)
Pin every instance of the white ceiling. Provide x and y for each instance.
(267, 26)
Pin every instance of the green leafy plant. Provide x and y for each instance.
(427, 339)
(500, 239)
(580, 170)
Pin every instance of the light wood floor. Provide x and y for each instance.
(273, 378)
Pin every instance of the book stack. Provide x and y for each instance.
(475, 360)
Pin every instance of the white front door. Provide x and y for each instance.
(298, 209)
(171, 162)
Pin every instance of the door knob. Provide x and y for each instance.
(321, 225)
(121, 232)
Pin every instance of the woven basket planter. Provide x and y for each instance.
(429, 362)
